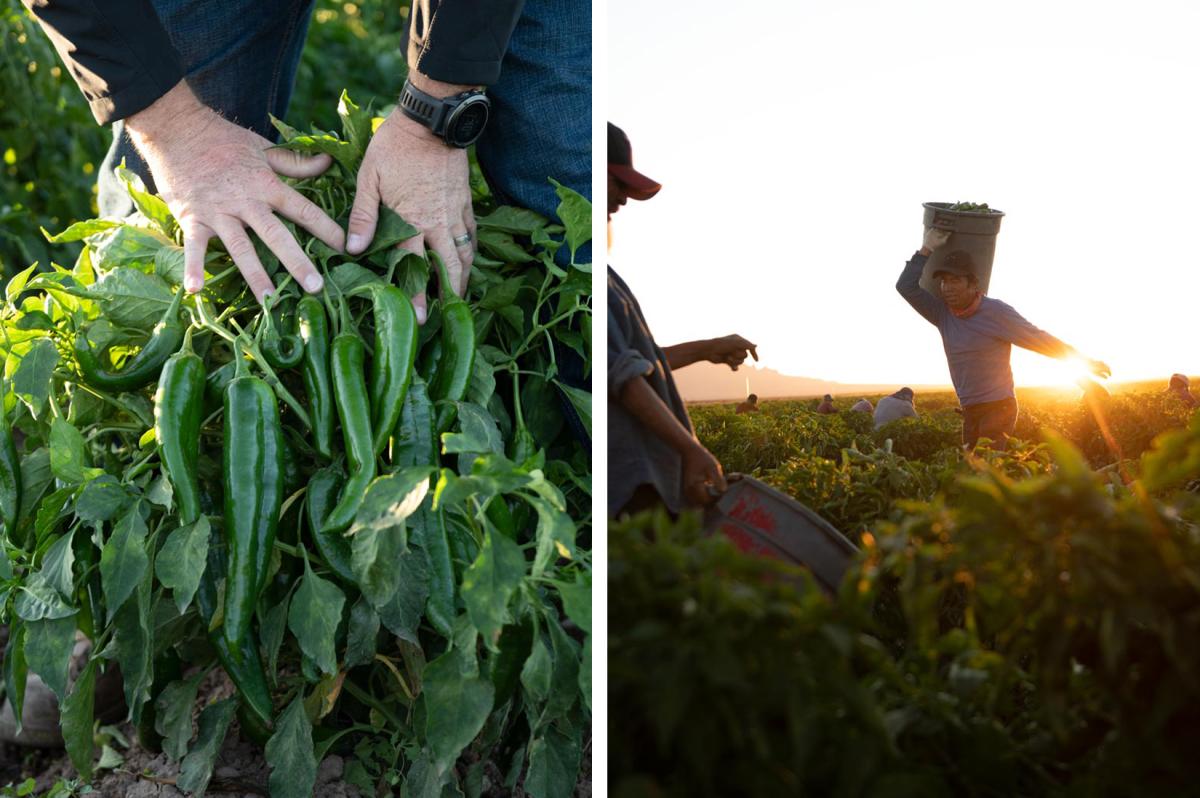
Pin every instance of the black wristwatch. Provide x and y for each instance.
(457, 120)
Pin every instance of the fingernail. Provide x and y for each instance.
(192, 285)
(422, 314)
(313, 283)
(355, 243)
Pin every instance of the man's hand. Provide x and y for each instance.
(1099, 368)
(730, 350)
(218, 179)
(426, 182)
(934, 239)
(703, 479)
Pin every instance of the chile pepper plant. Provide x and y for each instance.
(379, 531)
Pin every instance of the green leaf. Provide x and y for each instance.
(479, 433)
(314, 616)
(35, 478)
(76, 720)
(402, 615)
(391, 499)
(81, 230)
(577, 600)
(196, 768)
(102, 499)
(356, 124)
(314, 144)
(585, 673)
(502, 247)
(58, 565)
(490, 582)
(123, 560)
(564, 674)
(134, 638)
(273, 628)
(349, 276)
(128, 246)
(150, 206)
(17, 284)
(391, 230)
(131, 298)
(509, 219)
(456, 707)
(168, 264)
(537, 671)
(16, 671)
(576, 214)
(414, 442)
(48, 646)
(555, 534)
(581, 401)
(36, 600)
(360, 639)
(68, 455)
(31, 380)
(554, 760)
(181, 561)
(375, 559)
(290, 754)
(411, 270)
(173, 714)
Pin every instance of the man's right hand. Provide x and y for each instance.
(934, 239)
(219, 178)
(703, 479)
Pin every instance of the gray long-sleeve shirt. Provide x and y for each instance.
(636, 456)
(978, 347)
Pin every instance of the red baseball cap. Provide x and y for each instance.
(620, 166)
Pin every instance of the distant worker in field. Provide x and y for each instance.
(977, 333)
(654, 457)
(862, 406)
(750, 405)
(1180, 387)
(826, 405)
(898, 405)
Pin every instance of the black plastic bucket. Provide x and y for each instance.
(972, 231)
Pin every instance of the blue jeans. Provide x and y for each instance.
(241, 60)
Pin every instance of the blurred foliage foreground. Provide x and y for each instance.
(1029, 626)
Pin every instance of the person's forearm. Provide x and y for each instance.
(176, 113)
(640, 400)
(686, 354)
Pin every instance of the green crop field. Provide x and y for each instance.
(1018, 623)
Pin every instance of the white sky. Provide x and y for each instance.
(796, 142)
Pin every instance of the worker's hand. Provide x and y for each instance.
(703, 479)
(426, 182)
(730, 350)
(1099, 368)
(218, 179)
(935, 238)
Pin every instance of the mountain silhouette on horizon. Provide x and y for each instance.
(709, 382)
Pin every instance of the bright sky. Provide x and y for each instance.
(796, 142)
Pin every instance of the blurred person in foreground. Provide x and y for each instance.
(898, 405)
(978, 333)
(748, 406)
(1180, 388)
(654, 457)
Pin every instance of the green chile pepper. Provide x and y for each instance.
(392, 366)
(323, 490)
(242, 662)
(457, 360)
(350, 392)
(144, 367)
(10, 481)
(253, 482)
(178, 412)
(314, 332)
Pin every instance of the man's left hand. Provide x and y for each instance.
(731, 350)
(1099, 368)
(426, 182)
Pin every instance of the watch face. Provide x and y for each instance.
(467, 122)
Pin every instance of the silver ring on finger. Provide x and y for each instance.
(462, 240)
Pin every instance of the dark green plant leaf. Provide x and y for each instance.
(554, 760)
(391, 230)
(173, 714)
(273, 628)
(101, 500)
(314, 616)
(81, 230)
(77, 717)
(456, 707)
(31, 380)
(402, 615)
(575, 211)
(479, 433)
(196, 768)
(132, 298)
(36, 600)
(181, 561)
(581, 401)
(577, 600)
(124, 561)
(68, 454)
(490, 582)
(290, 753)
(48, 645)
(58, 565)
(135, 644)
(360, 638)
(15, 671)
(391, 499)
